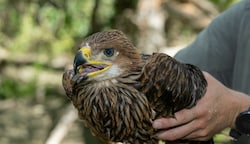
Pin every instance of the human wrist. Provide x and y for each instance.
(241, 103)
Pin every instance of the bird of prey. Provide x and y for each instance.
(118, 92)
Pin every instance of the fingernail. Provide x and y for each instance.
(156, 124)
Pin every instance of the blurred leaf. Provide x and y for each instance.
(15, 89)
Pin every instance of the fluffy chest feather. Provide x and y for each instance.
(118, 111)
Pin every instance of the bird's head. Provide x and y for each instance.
(105, 55)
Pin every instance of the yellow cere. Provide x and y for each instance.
(86, 51)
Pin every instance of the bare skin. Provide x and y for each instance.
(216, 111)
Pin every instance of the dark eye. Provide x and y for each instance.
(109, 52)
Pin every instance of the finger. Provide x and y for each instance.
(198, 135)
(182, 117)
(179, 132)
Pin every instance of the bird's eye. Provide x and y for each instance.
(109, 52)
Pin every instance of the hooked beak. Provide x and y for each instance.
(86, 66)
(81, 58)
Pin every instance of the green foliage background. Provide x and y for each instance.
(47, 26)
(36, 33)
(42, 30)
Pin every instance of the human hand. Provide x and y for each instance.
(215, 111)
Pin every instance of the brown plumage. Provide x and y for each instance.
(119, 92)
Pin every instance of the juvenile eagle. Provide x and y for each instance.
(118, 92)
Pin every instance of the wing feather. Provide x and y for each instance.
(170, 85)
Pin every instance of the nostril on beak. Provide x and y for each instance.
(87, 56)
